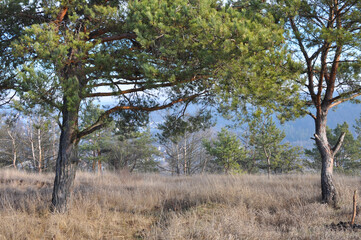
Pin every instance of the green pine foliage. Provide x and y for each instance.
(265, 145)
(178, 50)
(12, 26)
(227, 151)
(137, 153)
(261, 149)
(131, 149)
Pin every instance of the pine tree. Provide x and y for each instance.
(264, 139)
(326, 37)
(227, 150)
(140, 52)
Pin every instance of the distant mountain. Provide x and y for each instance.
(298, 132)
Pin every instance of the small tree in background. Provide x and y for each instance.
(227, 151)
(136, 153)
(264, 139)
(181, 139)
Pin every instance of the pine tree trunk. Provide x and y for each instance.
(66, 163)
(329, 192)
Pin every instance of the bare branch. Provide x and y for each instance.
(8, 100)
(340, 99)
(312, 115)
(338, 145)
(140, 89)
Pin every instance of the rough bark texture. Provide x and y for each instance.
(329, 192)
(66, 163)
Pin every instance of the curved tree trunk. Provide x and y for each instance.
(66, 163)
(329, 191)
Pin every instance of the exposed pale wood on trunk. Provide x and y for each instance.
(354, 210)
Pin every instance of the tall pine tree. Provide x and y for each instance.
(148, 55)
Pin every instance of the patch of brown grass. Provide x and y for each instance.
(124, 206)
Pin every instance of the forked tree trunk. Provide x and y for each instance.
(66, 163)
(329, 191)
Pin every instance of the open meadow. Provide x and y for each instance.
(143, 206)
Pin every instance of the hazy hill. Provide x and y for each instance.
(298, 132)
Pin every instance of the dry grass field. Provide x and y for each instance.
(124, 206)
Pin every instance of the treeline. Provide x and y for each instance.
(180, 145)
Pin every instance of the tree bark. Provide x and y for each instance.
(329, 192)
(66, 163)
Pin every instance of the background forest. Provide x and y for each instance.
(194, 143)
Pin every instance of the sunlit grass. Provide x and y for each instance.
(124, 206)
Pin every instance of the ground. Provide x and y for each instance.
(143, 206)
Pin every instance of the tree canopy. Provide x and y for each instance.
(147, 55)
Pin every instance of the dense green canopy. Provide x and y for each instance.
(148, 55)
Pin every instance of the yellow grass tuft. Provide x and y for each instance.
(124, 206)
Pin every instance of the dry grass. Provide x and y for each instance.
(123, 206)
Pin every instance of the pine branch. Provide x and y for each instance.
(101, 122)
